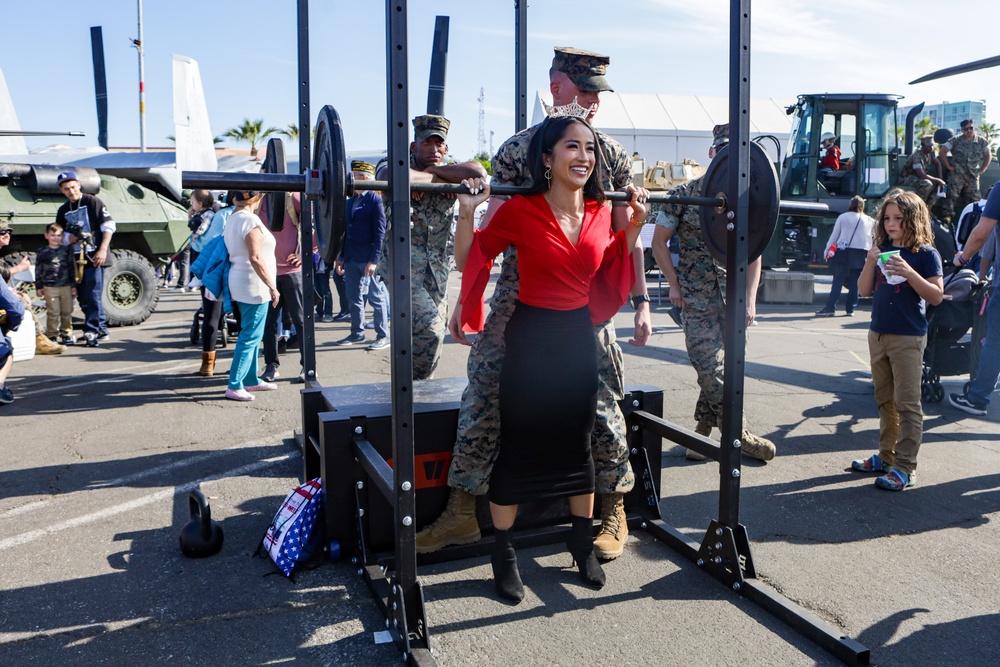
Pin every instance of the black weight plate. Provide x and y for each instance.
(274, 202)
(764, 201)
(330, 158)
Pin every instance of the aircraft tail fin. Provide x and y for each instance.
(9, 145)
(192, 131)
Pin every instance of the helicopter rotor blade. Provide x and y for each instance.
(959, 69)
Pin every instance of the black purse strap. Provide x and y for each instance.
(854, 233)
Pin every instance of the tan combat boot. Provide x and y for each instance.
(207, 363)
(705, 429)
(456, 525)
(44, 345)
(757, 447)
(611, 540)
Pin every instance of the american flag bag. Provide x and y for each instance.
(295, 534)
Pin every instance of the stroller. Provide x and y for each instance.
(955, 329)
(230, 328)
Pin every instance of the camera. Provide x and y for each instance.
(76, 229)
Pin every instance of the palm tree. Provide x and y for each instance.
(251, 132)
(291, 131)
(991, 132)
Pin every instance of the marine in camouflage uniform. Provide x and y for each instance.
(702, 284)
(479, 418)
(970, 155)
(917, 170)
(431, 217)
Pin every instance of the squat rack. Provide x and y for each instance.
(725, 550)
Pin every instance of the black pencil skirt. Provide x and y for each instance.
(548, 403)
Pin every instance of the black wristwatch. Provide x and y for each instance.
(636, 300)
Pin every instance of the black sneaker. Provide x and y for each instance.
(6, 396)
(963, 403)
(352, 339)
(825, 313)
(92, 339)
(67, 340)
(103, 335)
(270, 373)
(341, 317)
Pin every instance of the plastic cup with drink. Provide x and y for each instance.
(884, 259)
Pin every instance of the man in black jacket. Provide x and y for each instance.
(90, 228)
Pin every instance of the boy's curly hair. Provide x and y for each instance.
(916, 220)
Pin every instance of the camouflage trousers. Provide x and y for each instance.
(704, 334)
(479, 415)
(924, 188)
(962, 189)
(430, 323)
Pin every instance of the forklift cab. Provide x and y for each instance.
(864, 127)
(865, 131)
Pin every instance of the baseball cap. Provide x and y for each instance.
(430, 125)
(361, 165)
(66, 176)
(585, 69)
(720, 135)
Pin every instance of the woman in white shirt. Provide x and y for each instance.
(252, 287)
(846, 252)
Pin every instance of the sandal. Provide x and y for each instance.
(895, 480)
(873, 463)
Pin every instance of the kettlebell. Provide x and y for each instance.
(201, 536)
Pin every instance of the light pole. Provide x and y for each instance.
(137, 43)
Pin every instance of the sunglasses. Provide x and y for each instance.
(5, 232)
(970, 128)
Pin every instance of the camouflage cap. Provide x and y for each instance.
(720, 135)
(361, 165)
(927, 140)
(586, 69)
(5, 226)
(430, 126)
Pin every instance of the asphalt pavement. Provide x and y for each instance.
(102, 447)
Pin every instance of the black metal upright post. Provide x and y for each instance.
(406, 588)
(307, 337)
(738, 195)
(520, 65)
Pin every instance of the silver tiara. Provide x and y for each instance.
(572, 109)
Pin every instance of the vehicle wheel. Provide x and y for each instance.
(938, 393)
(37, 302)
(130, 289)
(926, 393)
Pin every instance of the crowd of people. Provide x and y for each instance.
(539, 418)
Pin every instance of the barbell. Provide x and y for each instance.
(330, 182)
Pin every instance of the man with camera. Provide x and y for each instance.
(90, 228)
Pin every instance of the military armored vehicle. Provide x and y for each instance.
(151, 229)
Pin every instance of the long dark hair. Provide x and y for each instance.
(550, 132)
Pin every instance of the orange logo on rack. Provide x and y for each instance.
(430, 470)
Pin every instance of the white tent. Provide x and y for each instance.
(674, 127)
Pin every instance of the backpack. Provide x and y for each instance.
(968, 223)
(295, 536)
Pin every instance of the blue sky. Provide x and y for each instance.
(247, 53)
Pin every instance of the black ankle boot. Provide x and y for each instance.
(581, 546)
(505, 575)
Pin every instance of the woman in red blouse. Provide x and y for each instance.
(575, 272)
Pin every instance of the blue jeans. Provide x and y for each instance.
(357, 283)
(324, 300)
(848, 278)
(243, 372)
(989, 357)
(89, 293)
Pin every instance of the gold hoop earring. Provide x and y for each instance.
(548, 175)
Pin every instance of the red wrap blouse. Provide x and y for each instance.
(555, 274)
